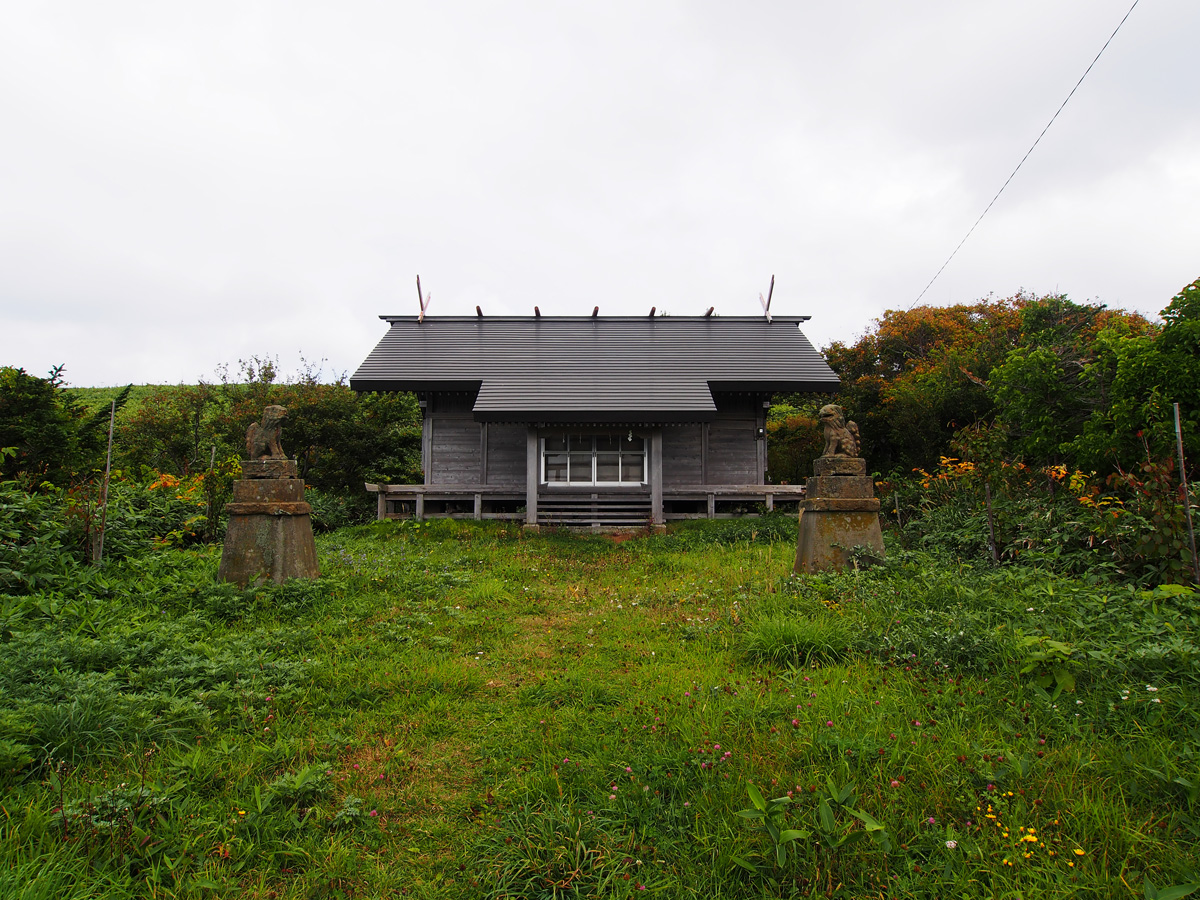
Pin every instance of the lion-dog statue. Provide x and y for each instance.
(841, 437)
(262, 438)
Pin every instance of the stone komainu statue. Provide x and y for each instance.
(262, 438)
(841, 437)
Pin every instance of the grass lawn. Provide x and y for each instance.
(465, 710)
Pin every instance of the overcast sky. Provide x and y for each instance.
(185, 185)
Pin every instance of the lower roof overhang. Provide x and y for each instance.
(597, 417)
(419, 386)
(823, 386)
(794, 386)
(595, 401)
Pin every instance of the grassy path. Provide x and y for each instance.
(464, 711)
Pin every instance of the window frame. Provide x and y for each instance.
(568, 452)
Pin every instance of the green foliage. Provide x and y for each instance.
(552, 849)
(1152, 372)
(794, 440)
(304, 788)
(341, 440)
(770, 814)
(1133, 526)
(796, 640)
(1174, 892)
(765, 529)
(466, 709)
(1051, 660)
(34, 542)
(920, 375)
(1047, 387)
(837, 824)
(45, 434)
(331, 511)
(351, 816)
(1064, 383)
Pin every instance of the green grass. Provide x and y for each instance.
(463, 710)
(93, 399)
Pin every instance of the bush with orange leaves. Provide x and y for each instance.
(1131, 526)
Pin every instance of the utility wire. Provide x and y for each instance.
(1025, 157)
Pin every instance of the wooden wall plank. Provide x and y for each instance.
(683, 455)
(506, 455)
(454, 455)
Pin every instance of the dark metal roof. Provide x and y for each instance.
(600, 369)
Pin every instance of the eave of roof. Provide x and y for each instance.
(612, 368)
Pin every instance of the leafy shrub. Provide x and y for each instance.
(793, 442)
(304, 788)
(113, 813)
(959, 636)
(45, 432)
(351, 815)
(331, 511)
(34, 551)
(1054, 519)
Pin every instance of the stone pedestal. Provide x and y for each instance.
(270, 526)
(840, 511)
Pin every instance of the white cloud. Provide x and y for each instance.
(189, 186)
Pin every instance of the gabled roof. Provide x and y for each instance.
(595, 369)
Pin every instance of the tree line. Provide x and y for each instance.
(340, 439)
(1041, 380)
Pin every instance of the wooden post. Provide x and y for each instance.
(760, 438)
(656, 484)
(770, 502)
(1187, 500)
(478, 507)
(381, 502)
(987, 496)
(212, 461)
(712, 506)
(98, 545)
(427, 446)
(483, 452)
(421, 507)
(532, 475)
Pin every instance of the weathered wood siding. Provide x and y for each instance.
(454, 441)
(506, 455)
(733, 453)
(683, 455)
(462, 451)
(455, 450)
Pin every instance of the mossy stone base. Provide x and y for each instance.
(270, 533)
(827, 536)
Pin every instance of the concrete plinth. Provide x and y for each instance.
(839, 512)
(827, 536)
(270, 527)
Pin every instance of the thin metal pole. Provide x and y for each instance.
(1187, 502)
(98, 556)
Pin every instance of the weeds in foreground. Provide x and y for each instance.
(462, 710)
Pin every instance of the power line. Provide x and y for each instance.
(1025, 157)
